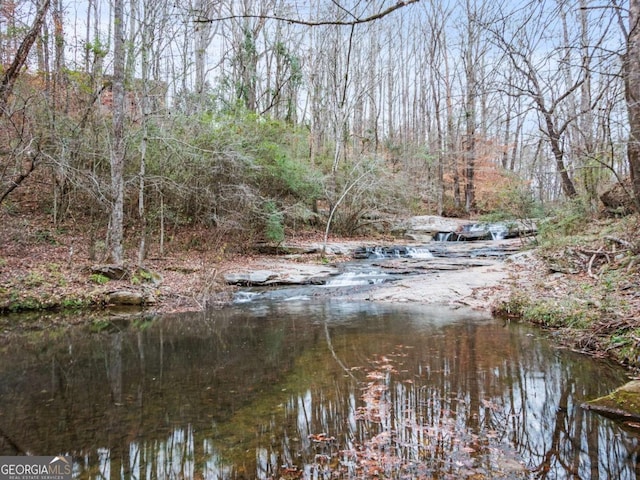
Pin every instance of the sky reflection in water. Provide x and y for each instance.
(282, 390)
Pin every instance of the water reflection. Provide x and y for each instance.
(313, 391)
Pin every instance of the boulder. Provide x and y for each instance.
(129, 297)
(431, 224)
(424, 228)
(622, 405)
(112, 272)
(617, 198)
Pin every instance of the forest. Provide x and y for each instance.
(253, 119)
(152, 149)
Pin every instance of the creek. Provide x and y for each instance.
(372, 267)
(311, 389)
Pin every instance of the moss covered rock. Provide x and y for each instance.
(623, 404)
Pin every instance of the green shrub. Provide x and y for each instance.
(98, 278)
(274, 228)
(570, 219)
(548, 312)
(74, 303)
(286, 177)
(33, 279)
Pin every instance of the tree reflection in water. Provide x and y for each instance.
(312, 391)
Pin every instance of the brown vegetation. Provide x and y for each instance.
(46, 267)
(585, 286)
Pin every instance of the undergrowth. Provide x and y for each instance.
(587, 289)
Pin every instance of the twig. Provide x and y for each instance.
(15, 183)
(622, 242)
(313, 23)
(594, 252)
(589, 272)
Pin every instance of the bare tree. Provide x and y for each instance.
(564, 89)
(472, 60)
(117, 155)
(7, 83)
(546, 93)
(204, 34)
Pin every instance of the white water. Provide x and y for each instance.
(498, 231)
(298, 298)
(350, 279)
(376, 252)
(245, 297)
(398, 252)
(414, 252)
(444, 237)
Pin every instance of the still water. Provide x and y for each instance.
(325, 390)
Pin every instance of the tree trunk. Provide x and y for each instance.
(568, 187)
(632, 94)
(470, 140)
(117, 140)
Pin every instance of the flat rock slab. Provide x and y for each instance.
(292, 250)
(474, 287)
(254, 277)
(434, 264)
(456, 282)
(282, 273)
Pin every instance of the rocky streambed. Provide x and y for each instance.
(471, 274)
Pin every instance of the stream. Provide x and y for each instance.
(369, 268)
(313, 389)
(296, 380)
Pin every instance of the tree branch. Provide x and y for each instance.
(15, 183)
(314, 23)
(12, 73)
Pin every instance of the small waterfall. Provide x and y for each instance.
(498, 231)
(375, 252)
(476, 231)
(414, 252)
(443, 236)
(391, 252)
(476, 228)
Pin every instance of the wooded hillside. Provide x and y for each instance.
(255, 118)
